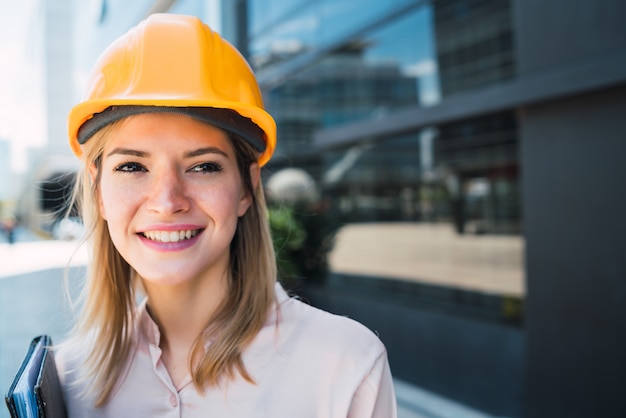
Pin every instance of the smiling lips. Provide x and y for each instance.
(171, 236)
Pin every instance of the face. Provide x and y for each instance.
(171, 193)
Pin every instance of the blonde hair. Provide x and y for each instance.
(107, 319)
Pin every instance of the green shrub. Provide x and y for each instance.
(302, 238)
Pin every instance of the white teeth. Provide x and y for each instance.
(171, 236)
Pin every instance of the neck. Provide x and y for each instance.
(183, 311)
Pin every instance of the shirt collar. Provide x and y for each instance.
(148, 328)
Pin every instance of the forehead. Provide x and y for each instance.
(166, 130)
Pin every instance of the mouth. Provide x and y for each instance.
(171, 236)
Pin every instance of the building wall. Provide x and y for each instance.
(573, 154)
(558, 33)
(58, 39)
(6, 191)
(567, 98)
(571, 162)
(575, 234)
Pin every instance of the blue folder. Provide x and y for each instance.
(36, 391)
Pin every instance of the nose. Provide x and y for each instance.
(167, 194)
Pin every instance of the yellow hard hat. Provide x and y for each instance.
(174, 63)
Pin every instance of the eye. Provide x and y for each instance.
(130, 167)
(206, 168)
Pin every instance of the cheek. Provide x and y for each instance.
(101, 208)
(222, 204)
(115, 202)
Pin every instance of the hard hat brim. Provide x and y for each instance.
(87, 118)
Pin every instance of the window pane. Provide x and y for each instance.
(440, 205)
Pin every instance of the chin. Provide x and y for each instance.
(164, 278)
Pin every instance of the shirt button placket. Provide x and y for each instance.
(174, 401)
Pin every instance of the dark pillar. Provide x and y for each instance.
(235, 24)
(574, 177)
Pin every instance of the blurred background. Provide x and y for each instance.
(448, 172)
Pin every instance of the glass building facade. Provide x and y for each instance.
(460, 163)
(327, 66)
(466, 157)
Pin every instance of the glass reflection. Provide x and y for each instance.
(452, 191)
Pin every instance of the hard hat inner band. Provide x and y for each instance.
(226, 119)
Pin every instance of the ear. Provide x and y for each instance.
(93, 174)
(246, 197)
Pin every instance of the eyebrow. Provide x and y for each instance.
(190, 154)
(207, 150)
(126, 151)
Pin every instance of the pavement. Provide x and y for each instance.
(32, 300)
(30, 256)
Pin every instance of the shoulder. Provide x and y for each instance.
(69, 357)
(325, 332)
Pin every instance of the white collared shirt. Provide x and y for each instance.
(305, 362)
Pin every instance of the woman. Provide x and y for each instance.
(173, 134)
